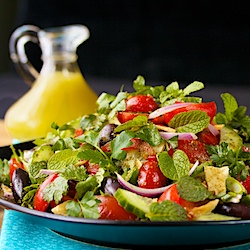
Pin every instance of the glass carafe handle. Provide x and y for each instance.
(18, 39)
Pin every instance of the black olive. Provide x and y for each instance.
(234, 209)
(20, 179)
(106, 134)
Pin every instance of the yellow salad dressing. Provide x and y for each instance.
(57, 97)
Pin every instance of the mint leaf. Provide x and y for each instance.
(134, 124)
(174, 167)
(34, 171)
(230, 105)
(192, 121)
(62, 159)
(191, 189)
(192, 87)
(140, 87)
(73, 172)
(120, 142)
(173, 93)
(182, 164)
(167, 211)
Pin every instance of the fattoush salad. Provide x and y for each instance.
(156, 154)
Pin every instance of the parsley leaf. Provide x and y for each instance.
(87, 207)
(56, 189)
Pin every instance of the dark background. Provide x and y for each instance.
(162, 40)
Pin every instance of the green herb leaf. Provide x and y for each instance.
(56, 189)
(76, 173)
(230, 105)
(167, 211)
(4, 172)
(192, 121)
(73, 208)
(192, 87)
(89, 206)
(83, 187)
(191, 189)
(134, 124)
(103, 102)
(62, 159)
(120, 142)
(150, 134)
(174, 167)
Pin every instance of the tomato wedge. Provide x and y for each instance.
(124, 116)
(208, 138)
(208, 107)
(194, 149)
(14, 164)
(150, 175)
(171, 193)
(110, 209)
(39, 203)
(141, 103)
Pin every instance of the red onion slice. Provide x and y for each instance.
(151, 193)
(166, 109)
(213, 130)
(181, 136)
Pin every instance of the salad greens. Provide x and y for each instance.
(88, 158)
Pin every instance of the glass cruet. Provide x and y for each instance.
(59, 92)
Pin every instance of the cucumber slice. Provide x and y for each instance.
(43, 153)
(133, 203)
(231, 137)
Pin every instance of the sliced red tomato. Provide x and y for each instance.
(194, 149)
(208, 138)
(14, 164)
(172, 194)
(208, 107)
(159, 120)
(39, 203)
(136, 143)
(124, 116)
(246, 184)
(92, 168)
(78, 132)
(150, 175)
(141, 103)
(110, 209)
(106, 147)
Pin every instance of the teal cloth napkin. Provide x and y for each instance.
(18, 233)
